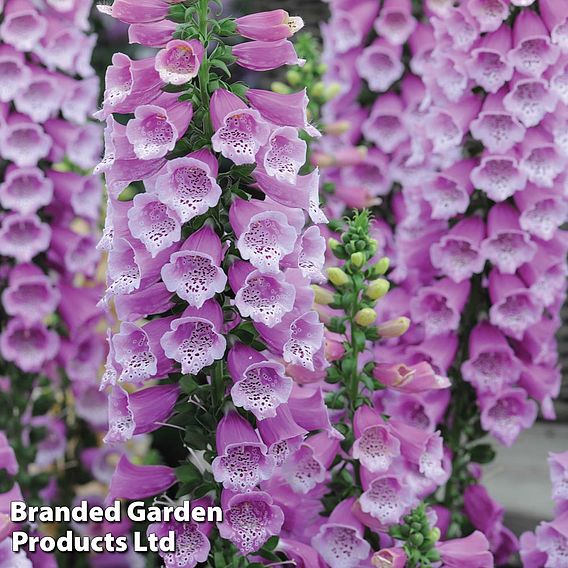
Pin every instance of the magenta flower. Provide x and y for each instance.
(249, 519)
(242, 461)
(269, 26)
(179, 62)
(468, 552)
(266, 55)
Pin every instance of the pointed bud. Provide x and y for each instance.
(365, 317)
(394, 328)
(358, 259)
(381, 267)
(377, 289)
(293, 77)
(322, 296)
(435, 534)
(337, 277)
(333, 243)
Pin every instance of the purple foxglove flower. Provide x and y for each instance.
(449, 79)
(195, 339)
(240, 131)
(395, 21)
(555, 19)
(529, 99)
(543, 384)
(85, 352)
(282, 110)
(73, 252)
(371, 174)
(488, 64)
(155, 129)
(546, 274)
(60, 46)
(424, 449)
(179, 62)
(261, 386)
(483, 512)
(515, 307)
(266, 232)
(28, 345)
(421, 43)
(138, 11)
(469, 552)
(249, 520)
(413, 379)
(15, 75)
(155, 34)
(507, 246)
(375, 446)
(499, 176)
(350, 24)
(188, 186)
(495, 127)
(273, 25)
(438, 307)
(541, 161)
(139, 352)
(340, 541)
(194, 272)
(489, 13)
(303, 194)
(80, 99)
(310, 412)
(242, 460)
(153, 223)
(281, 434)
(448, 192)
(284, 154)
(384, 500)
(439, 351)
(533, 51)
(155, 299)
(446, 126)
(41, 98)
(192, 540)
(23, 26)
(541, 213)
(23, 236)
(531, 556)
(492, 364)
(133, 482)
(506, 414)
(459, 27)
(129, 84)
(80, 309)
(24, 142)
(551, 539)
(265, 298)
(140, 412)
(457, 254)
(308, 466)
(266, 55)
(30, 294)
(380, 65)
(308, 255)
(82, 193)
(385, 126)
(82, 144)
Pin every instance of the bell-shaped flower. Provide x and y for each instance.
(130, 481)
(260, 385)
(249, 519)
(529, 99)
(284, 155)
(239, 131)
(193, 272)
(555, 19)
(23, 236)
(273, 25)
(195, 339)
(499, 176)
(266, 55)
(410, 379)
(507, 246)
(179, 62)
(492, 363)
(14, 73)
(24, 142)
(541, 160)
(469, 552)
(340, 540)
(242, 460)
(380, 65)
(41, 98)
(489, 14)
(22, 25)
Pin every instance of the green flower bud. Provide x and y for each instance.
(365, 317)
(333, 243)
(358, 259)
(417, 539)
(280, 88)
(332, 91)
(435, 534)
(318, 90)
(337, 277)
(377, 289)
(322, 296)
(381, 267)
(321, 68)
(293, 77)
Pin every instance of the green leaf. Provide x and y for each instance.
(482, 454)
(220, 64)
(188, 473)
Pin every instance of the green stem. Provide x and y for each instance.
(203, 75)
